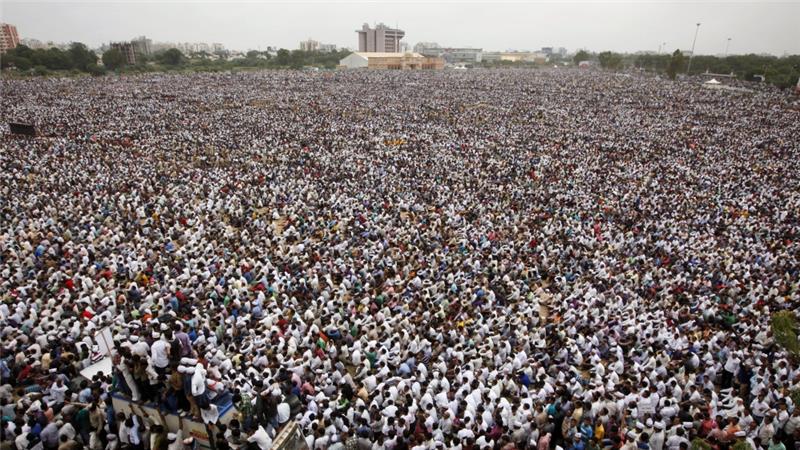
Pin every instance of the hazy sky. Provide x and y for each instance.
(754, 26)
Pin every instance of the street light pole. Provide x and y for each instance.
(688, 69)
(727, 46)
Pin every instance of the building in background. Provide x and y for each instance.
(463, 55)
(309, 45)
(425, 48)
(9, 39)
(186, 47)
(554, 51)
(449, 54)
(126, 48)
(395, 61)
(196, 47)
(142, 45)
(327, 48)
(381, 39)
(33, 43)
(515, 56)
(217, 47)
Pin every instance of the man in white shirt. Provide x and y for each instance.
(58, 392)
(731, 369)
(261, 438)
(759, 407)
(159, 353)
(390, 410)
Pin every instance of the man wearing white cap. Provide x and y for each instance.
(159, 353)
(658, 438)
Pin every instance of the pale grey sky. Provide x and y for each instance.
(626, 26)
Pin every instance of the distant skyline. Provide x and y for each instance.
(622, 26)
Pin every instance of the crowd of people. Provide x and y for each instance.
(486, 259)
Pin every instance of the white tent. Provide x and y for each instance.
(712, 81)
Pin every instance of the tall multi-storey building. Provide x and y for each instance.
(9, 38)
(309, 45)
(126, 48)
(142, 45)
(380, 39)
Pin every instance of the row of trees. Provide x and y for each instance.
(79, 58)
(780, 71)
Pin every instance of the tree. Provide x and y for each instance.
(41, 71)
(582, 55)
(171, 57)
(699, 444)
(113, 59)
(297, 59)
(95, 70)
(610, 60)
(675, 64)
(53, 59)
(141, 58)
(655, 62)
(784, 328)
(283, 57)
(19, 62)
(81, 56)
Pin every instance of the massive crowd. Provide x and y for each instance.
(399, 260)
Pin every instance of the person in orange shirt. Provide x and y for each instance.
(599, 432)
(730, 430)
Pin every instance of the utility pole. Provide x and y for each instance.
(688, 69)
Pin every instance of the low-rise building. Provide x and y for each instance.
(396, 61)
(327, 48)
(449, 54)
(425, 48)
(33, 43)
(529, 57)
